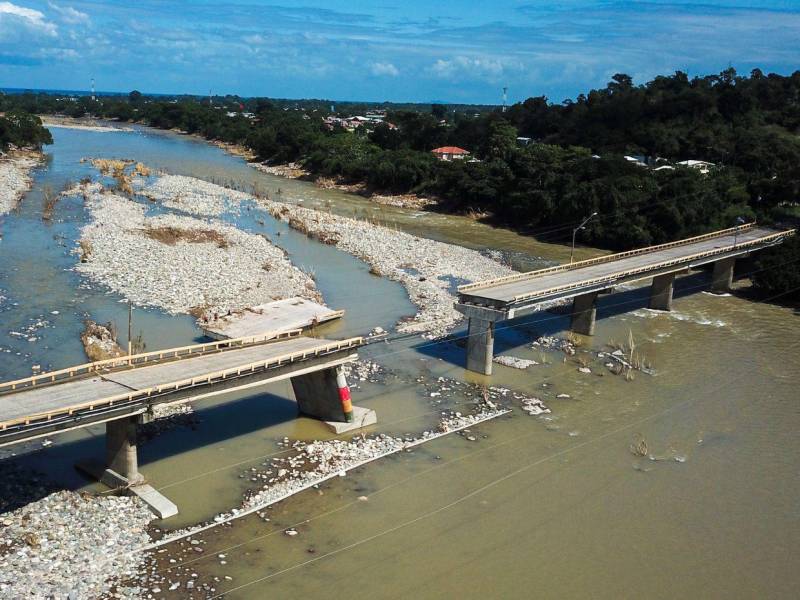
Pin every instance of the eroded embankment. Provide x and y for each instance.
(15, 178)
(182, 264)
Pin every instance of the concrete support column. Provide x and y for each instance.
(722, 276)
(317, 395)
(325, 395)
(661, 292)
(480, 345)
(584, 313)
(121, 454)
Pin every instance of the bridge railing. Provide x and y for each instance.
(464, 289)
(627, 273)
(136, 360)
(205, 379)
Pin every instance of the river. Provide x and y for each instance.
(552, 506)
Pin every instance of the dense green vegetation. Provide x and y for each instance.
(23, 130)
(747, 126)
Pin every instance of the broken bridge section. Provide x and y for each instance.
(121, 392)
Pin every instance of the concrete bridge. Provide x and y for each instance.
(488, 302)
(122, 392)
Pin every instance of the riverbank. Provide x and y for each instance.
(15, 176)
(296, 171)
(86, 124)
(182, 264)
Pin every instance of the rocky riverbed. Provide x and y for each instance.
(430, 271)
(71, 545)
(15, 178)
(191, 195)
(182, 264)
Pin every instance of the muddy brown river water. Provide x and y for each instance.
(552, 506)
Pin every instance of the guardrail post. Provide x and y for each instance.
(584, 313)
(661, 292)
(722, 276)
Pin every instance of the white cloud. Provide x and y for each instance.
(70, 15)
(17, 21)
(464, 66)
(254, 39)
(382, 69)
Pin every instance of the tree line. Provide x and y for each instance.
(21, 129)
(570, 165)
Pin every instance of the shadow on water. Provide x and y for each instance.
(517, 333)
(220, 422)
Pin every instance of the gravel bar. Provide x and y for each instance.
(429, 270)
(231, 271)
(15, 178)
(71, 545)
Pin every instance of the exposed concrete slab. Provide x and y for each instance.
(282, 315)
(362, 417)
(160, 505)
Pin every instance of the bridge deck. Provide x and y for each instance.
(80, 392)
(567, 280)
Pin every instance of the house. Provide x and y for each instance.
(524, 141)
(450, 153)
(637, 160)
(701, 165)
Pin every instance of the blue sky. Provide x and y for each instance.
(403, 51)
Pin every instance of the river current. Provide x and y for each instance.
(552, 506)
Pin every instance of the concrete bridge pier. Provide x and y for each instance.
(480, 345)
(121, 456)
(121, 467)
(584, 313)
(722, 276)
(325, 395)
(661, 292)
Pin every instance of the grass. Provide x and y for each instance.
(639, 447)
(50, 199)
(86, 250)
(172, 235)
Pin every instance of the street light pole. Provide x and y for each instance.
(739, 222)
(575, 233)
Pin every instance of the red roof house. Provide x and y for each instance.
(450, 153)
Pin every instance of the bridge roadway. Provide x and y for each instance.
(492, 301)
(122, 392)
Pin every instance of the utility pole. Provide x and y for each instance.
(130, 322)
(575, 233)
